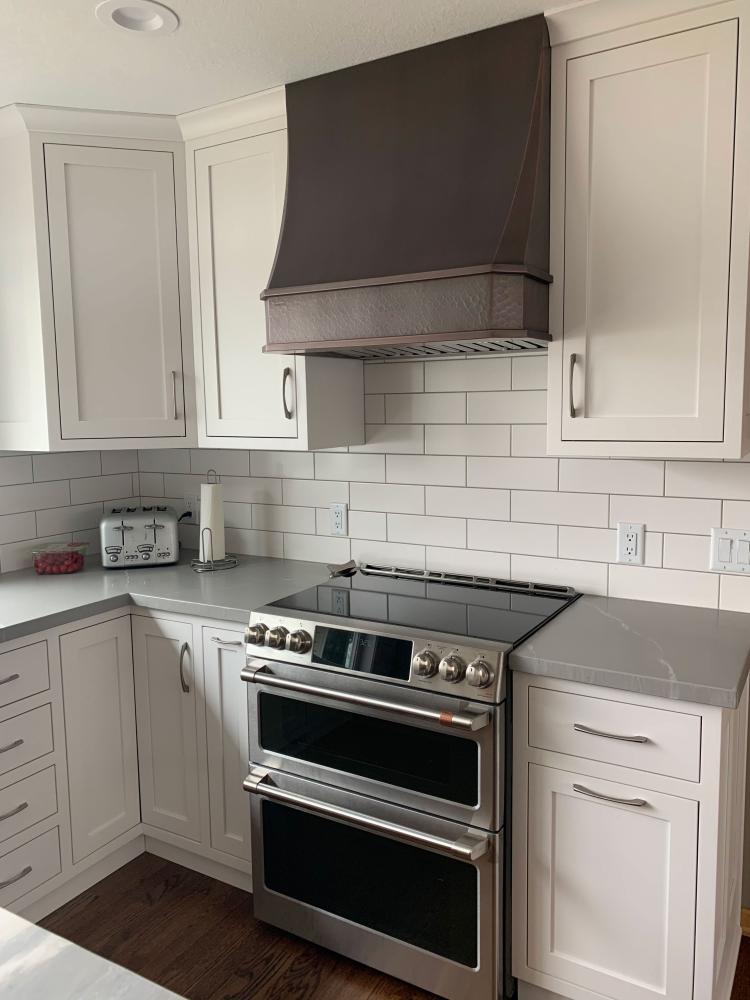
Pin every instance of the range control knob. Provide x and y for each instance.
(255, 635)
(276, 638)
(479, 674)
(425, 664)
(299, 642)
(452, 669)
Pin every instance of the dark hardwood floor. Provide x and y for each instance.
(198, 937)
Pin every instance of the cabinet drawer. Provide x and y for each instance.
(29, 866)
(648, 739)
(23, 672)
(25, 737)
(27, 802)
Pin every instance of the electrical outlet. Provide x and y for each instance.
(192, 503)
(339, 519)
(631, 542)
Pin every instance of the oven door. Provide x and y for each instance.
(430, 752)
(412, 895)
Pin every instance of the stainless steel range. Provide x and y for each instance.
(377, 773)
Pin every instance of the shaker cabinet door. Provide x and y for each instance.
(100, 736)
(168, 749)
(611, 886)
(113, 254)
(239, 203)
(649, 149)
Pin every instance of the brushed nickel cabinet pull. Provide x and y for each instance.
(580, 728)
(17, 878)
(9, 678)
(285, 378)
(183, 683)
(14, 812)
(227, 642)
(175, 415)
(12, 746)
(573, 359)
(581, 789)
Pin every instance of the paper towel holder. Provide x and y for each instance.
(211, 565)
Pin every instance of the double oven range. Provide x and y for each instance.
(378, 725)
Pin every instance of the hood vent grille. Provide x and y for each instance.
(417, 206)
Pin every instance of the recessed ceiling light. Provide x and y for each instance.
(143, 16)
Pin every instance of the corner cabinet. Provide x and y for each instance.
(650, 227)
(246, 398)
(97, 349)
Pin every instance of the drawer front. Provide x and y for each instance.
(25, 737)
(29, 866)
(23, 672)
(648, 739)
(27, 802)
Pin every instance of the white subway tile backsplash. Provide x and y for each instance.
(66, 465)
(529, 372)
(470, 374)
(666, 586)
(513, 536)
(271, 517)
(81, 517)
(241, 490)
(736, 514)
(152, 484)
(164, 460)
(355, 468)
(34, 496)
(119, 461)
(367, 524)
(525, 407)
(513, 473)
(388, 553)
(222, 462)
(600, 545)
(720, 480)
(395, 439)
(586, 509)
(460, 501)
(17, 527)
(317, 548)
(15, 469)
(390, 497)
(243, 542)
(418, 529)
(734, 593)
(462, 439)
(375, 409)
(528, 440)
(427, 470)
(237, 515)
(588, 577)
(426, 408)
(607, 475)
(394, 376)
(688, 517)
(311, 493)
(282, 464)
(687, 552)
(468, 562)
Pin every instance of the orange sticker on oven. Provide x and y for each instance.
(446, 718)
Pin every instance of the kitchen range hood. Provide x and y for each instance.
(416, 220)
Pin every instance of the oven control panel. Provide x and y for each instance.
(460, 670)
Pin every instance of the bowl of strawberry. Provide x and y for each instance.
(58, 558)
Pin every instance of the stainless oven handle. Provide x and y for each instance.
(468, 847)
(467, 721)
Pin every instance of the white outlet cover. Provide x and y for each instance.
(631, 543)
(339, 519)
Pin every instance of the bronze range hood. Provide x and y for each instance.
(416, 220)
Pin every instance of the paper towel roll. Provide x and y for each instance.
(212, 516)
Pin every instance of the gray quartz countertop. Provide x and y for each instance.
(665, 650)
(31, 603)
(36, 964)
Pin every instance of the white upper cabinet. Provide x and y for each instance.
(247, 398)
(115, 290)
(95, 330)
(649, 294)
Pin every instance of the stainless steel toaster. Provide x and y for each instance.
(139, 536)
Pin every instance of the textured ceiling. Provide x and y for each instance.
(55, 52)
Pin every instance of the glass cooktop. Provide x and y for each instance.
(476, 607)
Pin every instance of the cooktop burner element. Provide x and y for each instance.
(504, 611)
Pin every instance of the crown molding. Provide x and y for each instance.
(586, 18)
(233, 114)
(73, 121)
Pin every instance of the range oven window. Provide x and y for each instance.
(383, 655)
(405, 892)
(441, 765)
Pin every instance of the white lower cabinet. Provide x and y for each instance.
(611, 885)
(99, 706)
(226, 731)
(166, 708)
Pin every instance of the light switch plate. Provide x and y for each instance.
(730, 550)
(631, 542)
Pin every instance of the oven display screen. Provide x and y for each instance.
(367, 654)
